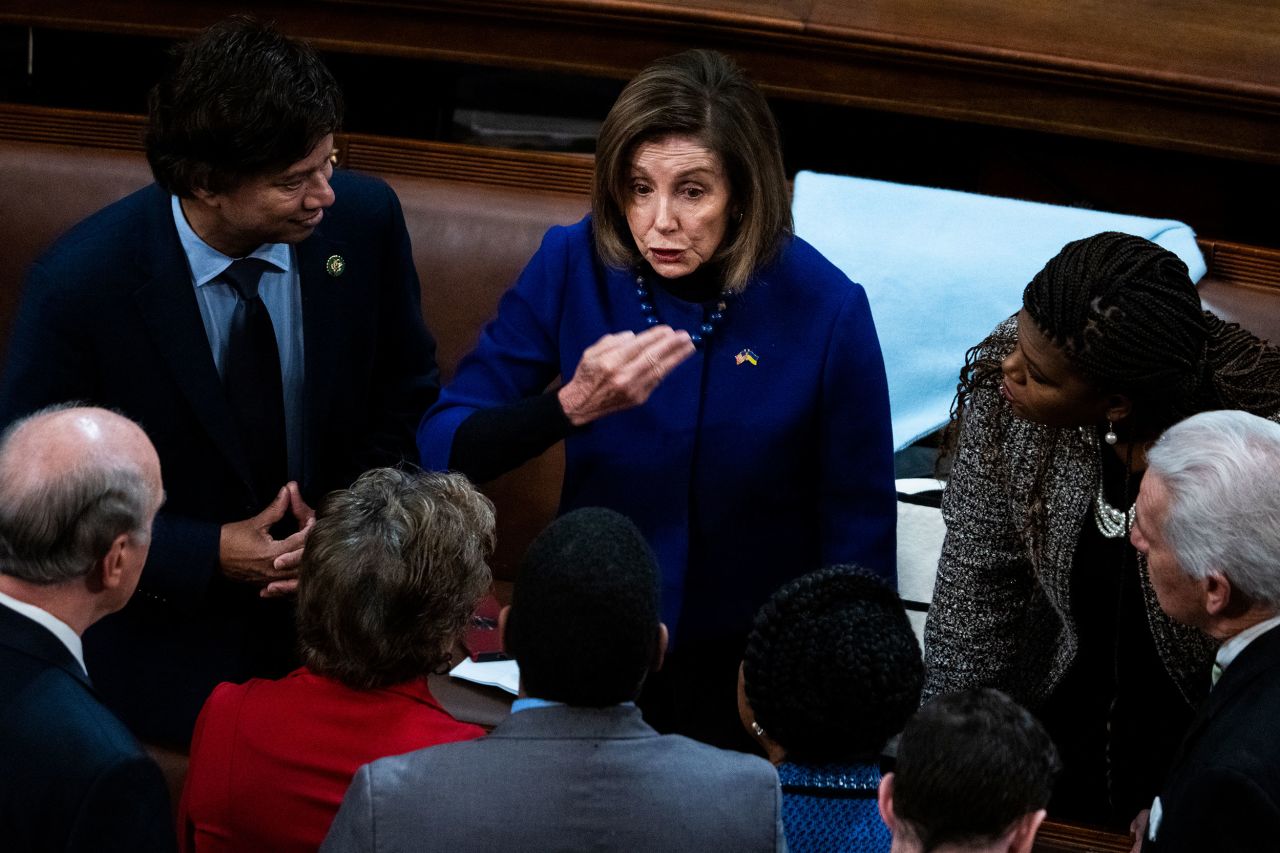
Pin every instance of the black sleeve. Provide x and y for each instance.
(127, 811)
(493, 441)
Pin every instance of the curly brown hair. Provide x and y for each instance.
(391, 574)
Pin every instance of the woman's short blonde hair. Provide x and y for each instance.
(705, 95)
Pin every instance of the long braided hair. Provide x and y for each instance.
(1127, 316)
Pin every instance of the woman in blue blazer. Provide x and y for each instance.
(722, 383)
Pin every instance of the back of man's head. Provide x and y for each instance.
(242, 100)
(974, 772)
(584, 622)
(72, 480)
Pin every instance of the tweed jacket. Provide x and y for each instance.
(1000, 617)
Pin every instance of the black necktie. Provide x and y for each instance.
(251, 376)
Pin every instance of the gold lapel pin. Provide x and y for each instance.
(335, 265)
(746, 356)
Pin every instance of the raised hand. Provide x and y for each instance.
(620, 371)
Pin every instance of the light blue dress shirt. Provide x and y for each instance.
(281, 293)
(534, 702)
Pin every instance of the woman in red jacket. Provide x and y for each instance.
(390, 577)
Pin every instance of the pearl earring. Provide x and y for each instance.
(1110, 436)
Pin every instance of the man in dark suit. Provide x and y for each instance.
(574, 767)
(79, 489)
(259, 315)
(1208, 521)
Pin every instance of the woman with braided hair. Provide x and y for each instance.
(1039, 592)
(832, 670)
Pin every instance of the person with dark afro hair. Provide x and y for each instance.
(1039, 592)
(832, 671)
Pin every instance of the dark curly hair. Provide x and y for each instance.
(1126, 315)
(584, 616)
(832, 668)
(391, 574)
(969, 764)
(242, 100)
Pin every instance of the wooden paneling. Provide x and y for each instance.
(1067, 838)
(1170, 74)
(1245, 266)
(1230, 264)
(539, 171)
(566, 173)
(72, 127)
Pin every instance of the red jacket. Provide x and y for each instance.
(271, 760)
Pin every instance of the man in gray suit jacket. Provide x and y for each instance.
(574, 767)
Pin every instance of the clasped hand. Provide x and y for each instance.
(248, 553)
(620, 371)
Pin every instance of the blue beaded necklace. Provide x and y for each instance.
(712, 315)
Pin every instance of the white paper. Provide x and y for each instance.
(504, 674)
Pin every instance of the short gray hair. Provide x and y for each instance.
(54, 530)
(1221, 471)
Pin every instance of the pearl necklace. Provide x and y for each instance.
(711, 316)
(1112, 523)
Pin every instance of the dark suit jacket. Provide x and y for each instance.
(73, 778)
(109, 316)
(1223, 790)
(563, 778)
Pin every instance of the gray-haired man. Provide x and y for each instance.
(1208, 521)
(79, 490)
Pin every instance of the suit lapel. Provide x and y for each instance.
(167, 303)
(30, 638)
(1258, 658)
(322, 318)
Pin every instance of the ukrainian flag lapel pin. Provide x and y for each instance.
(746, 356)
(335, 265)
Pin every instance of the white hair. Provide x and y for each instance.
(1221, 471)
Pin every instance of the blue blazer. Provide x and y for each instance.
(741, 475)
(74, 778)
(109, 316)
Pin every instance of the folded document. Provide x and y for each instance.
(504, 674)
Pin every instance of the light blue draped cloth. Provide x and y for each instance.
(941, 268)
